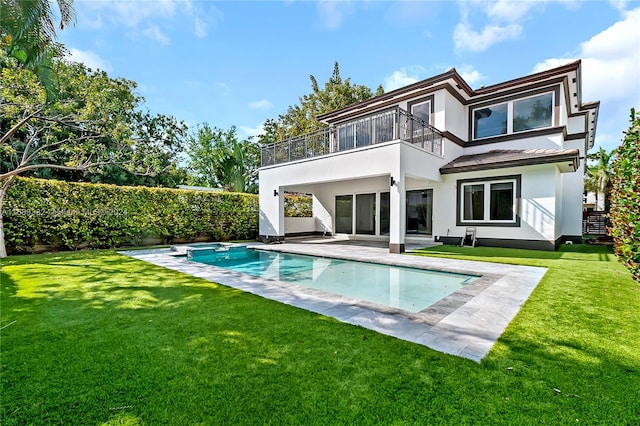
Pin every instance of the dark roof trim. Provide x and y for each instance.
(453, 138)
(517, 136)
(500, 159)
(573, 66)
(461, 84)
(392, 96)
(365, 109)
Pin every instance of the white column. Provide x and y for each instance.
(271, 199)
(397, 227)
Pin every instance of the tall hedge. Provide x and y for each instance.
(72, 215)
(298, 205)
(625, 198)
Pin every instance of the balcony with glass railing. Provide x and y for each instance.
(385, 126)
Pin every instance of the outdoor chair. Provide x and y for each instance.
(469, 239)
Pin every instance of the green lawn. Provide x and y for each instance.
(100, 338)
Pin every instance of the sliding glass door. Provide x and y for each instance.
(360, 211)
(344, 214)
(366, 214)
(385, 213)
(420, 212)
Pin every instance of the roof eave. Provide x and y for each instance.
(557, 159)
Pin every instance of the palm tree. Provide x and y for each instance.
(28, 34)
(598, 176)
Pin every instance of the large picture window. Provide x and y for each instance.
(532, 113)
(490, 121)
(490, 201)
(519, 115)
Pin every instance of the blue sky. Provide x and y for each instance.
(239, 63)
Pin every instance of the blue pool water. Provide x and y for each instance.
(404, 288)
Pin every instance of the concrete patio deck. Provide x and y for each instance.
(466, 323)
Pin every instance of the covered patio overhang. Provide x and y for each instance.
(360, 194)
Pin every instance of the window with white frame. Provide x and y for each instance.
(489, 201)
(518, 115)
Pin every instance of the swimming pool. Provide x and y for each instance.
(409, 289)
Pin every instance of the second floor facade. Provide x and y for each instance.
(445, 118)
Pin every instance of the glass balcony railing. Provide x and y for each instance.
(372, 129)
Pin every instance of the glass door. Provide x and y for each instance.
(420, 212)
(344, 214)
(366, 214)
(385, 213)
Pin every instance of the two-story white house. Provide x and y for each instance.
(431, 160)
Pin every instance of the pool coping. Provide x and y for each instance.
(466, 323)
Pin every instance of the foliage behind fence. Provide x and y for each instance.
(66, 215)
(625, 198)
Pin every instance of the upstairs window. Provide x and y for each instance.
(490, 121)
(532, 113)
(422, 111)
(515, 116)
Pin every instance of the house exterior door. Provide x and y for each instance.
(420, 212)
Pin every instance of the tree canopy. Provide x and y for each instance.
(598, 175)
(94, 120)
(28, 35)
(218, 159)
(302, 118)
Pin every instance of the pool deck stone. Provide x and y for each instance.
(466, 323)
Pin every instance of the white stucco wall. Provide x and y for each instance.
(456, 119)
(554, 141)
(295, 225)
(550, 205)
(572, 194)
(365, 170)
(537, 205)
(576, 124)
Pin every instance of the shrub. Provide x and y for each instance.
(298, 205)
(69, 215)
(625, 199)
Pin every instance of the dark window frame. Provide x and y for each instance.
(487, 181)
(422, 100)
(509, 100)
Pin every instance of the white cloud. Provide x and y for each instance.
(509, 10)
(470, 74)
(200, 28)
(152, 15)
(89, 58)
(619, 4)
(549, 63)
(402, 77)
(610, 61)
(246, 131)
(332, 12)
(204, 18)
(503, 22)
(466, 38)
(610, 74)
(132, 13)
(261, 104)
(153, 32)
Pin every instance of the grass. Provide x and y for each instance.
(100, 338)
